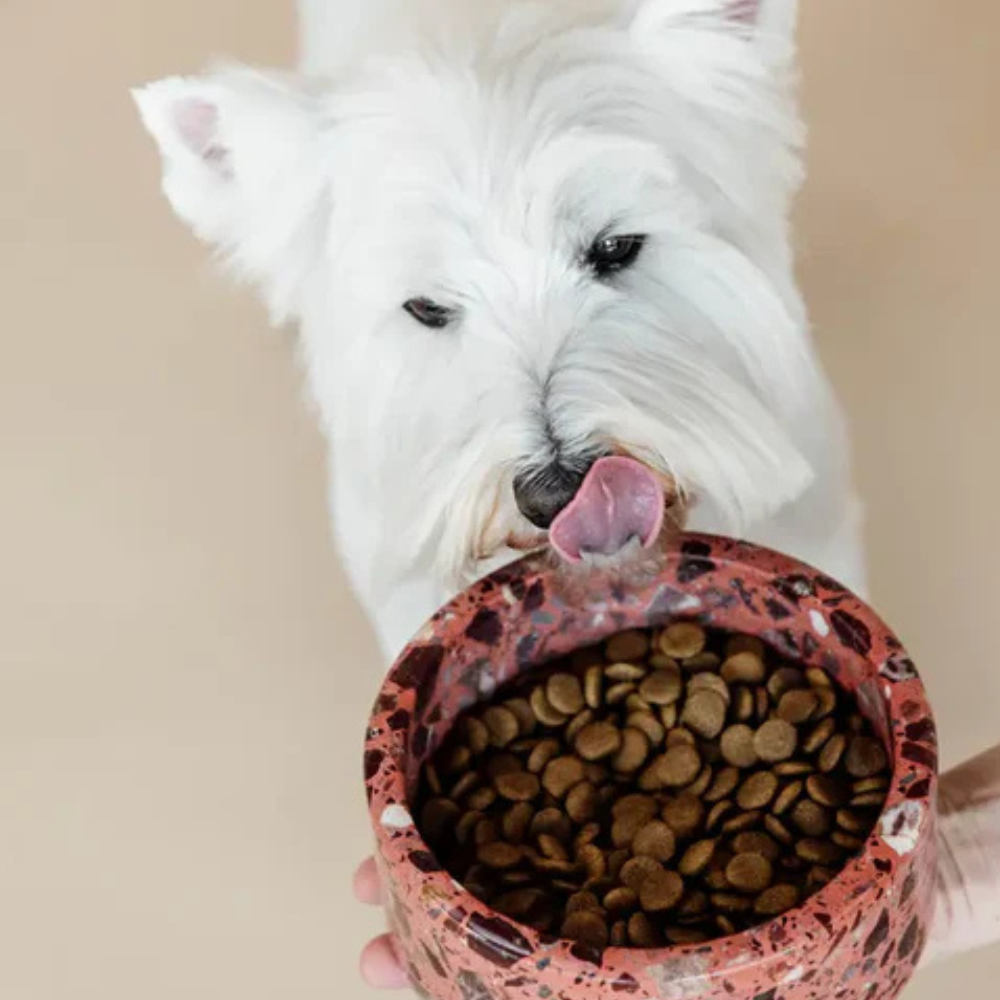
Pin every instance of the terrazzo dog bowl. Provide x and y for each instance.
(859, 938)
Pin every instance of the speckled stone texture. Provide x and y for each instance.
(858, 939)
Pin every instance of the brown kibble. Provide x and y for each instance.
(811, 818)
(793, 769)
(618, 693)
(502, 725)
(684, 815)
(516, 822)
(757, 791)
(818, 852)
(798, 706)
(565, 694)
(518, 903)
(679, 936)
(587, 928)
(866, 785)
(744, 821)
(701, 663)
(762, 704)
(743, 704)
(621, 900)
(552, 822)
(777, 829)
(787, 797)
(594, 862)
(655, 840)
(827, 702)
(619, 934)
(593, 686)
(757, 842)
(544, 751)
(681, 738)
(699, 786)
(870, 800)
(633, 752)
(587, 834)
(682, 640)
(485, 832)
(581, 802)
(662, 687)
(723, 785)
(851, 822)
(828, 791)
(583, 901)
(847, 841)
(865, 757)
(438, 817)
(631, 645)
(643, 805)
(818, 736)
(641, 932)
(777, 900)
(775, 741)
(725, 926)
(465, 828)
(521, 708)
(783, 680)
(483, 798)
(577, 724)
(456, 760)
(544, 711)
(499, 855)
(551, 847)
(662, 890)
(710, 682)
(697, 858)
(467, 783)
(744, 668)
(745, 644)
(737, 745)
(635, 871)
(625, 672)
(626, 827)
(717, 814)
(598, 740)
(679, 766)
(648, 724)
(477, 736)
(694, 904)
(818, 677)
(669, 714)
(705, 713)
(521, 786)
(561, 774)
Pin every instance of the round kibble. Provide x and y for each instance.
(743, 704)
(582, 802)
(710, 682)
(662, 687)
(701, 663)
(565, 694)
(865, 757)
(685, 815)
(705, 713)
(679, 766)
(621, 900)
(793, 769)
(818, 852)
(520, 786)
(641, 932)
(811, 818)
(828, 791)
(502, 725)
(561, 774)
(775, 741)
(744, 668)
(625, 672)
(661, 890)
(697, 858)
(750, 872)
(598, 740)
(633, 645)
(586, 927)
(852, 822)
(777, 900)
(682, 640)
(593, 686)
(757, 842)
(579, 722)
(819, 736)
(783, 680)
(543, 752)
(637, 870)
(737, 745)
(477, 736)
(544, 710)
(649, 725)
(757, 791)
(633, 752)
(438, 817)
(787, 797)
(699, 786)
(798, 706)
(516, 822)
(723, 785)
(594, 861)
(499, 855)
(655, 840)
(521, 708)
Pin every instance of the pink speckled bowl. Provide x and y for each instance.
(860, 937)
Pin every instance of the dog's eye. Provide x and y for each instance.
(429, 313)
(609, 254)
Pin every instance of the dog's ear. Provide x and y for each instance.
(772, 23)
(243, 166)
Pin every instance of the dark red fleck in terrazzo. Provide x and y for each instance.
(527, 614)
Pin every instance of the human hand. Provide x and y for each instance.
(968, 910)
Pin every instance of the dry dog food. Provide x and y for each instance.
(668, 788)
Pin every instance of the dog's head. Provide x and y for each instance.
(541, 268)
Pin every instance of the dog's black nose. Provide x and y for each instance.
(542, 493)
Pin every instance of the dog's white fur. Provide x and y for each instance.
(470, 152)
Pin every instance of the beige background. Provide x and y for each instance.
(183, 679)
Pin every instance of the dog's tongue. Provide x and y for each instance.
(619, 500)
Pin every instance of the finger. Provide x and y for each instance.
(380, 967)
(367, 884)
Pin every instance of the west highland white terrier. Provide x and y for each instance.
(539, 254)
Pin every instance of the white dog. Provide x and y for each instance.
(539, 254)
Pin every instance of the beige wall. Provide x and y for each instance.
(183, 680)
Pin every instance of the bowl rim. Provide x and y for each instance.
(859, 876)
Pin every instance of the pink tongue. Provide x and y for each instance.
(619, 500)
